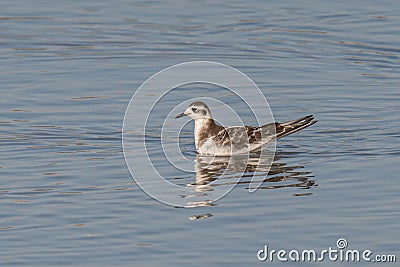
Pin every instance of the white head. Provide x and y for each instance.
(196, 110)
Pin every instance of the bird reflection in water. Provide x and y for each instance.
(209, 169)
(211, 172)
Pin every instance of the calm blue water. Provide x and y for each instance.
(69, 68)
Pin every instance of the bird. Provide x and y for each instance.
(217, 140)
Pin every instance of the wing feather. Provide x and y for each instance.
(253, 138)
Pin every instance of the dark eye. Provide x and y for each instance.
(194, 109)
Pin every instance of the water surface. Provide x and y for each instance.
(69, 69)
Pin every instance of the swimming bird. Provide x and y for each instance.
(213, 139)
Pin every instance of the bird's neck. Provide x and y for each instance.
(203, 128)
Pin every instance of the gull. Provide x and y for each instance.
(213, 139)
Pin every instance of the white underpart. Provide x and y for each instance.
(207, 147)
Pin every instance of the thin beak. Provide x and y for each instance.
(180, 115)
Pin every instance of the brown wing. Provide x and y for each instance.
(246, 136)
(286, 128)
(255, 137)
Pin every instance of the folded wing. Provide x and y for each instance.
(248, 138)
